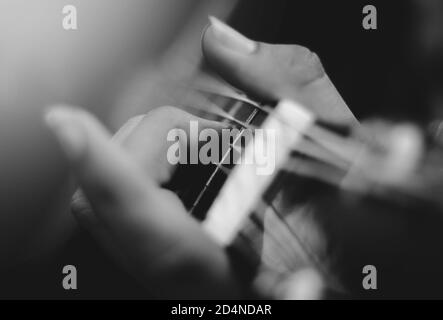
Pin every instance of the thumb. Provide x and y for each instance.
(272, 72)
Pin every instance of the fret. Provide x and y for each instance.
(244, 112)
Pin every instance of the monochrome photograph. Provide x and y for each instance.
(243, 151)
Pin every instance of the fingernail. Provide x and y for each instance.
(231, 38)
(64, 123)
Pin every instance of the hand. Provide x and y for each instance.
(344, 232)
(272, 72)
(144, 225)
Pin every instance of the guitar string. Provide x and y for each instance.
(320, 134)
(272, 236)
(311, 255)
(220, 167)
(341, 148)
(227, 154)
(216, 110)
(337, 152)
(286, 251)
(283, 221)
(323, 132)
(227, 116)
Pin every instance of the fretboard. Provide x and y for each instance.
(243, 211)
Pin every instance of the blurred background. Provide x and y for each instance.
(116, 64)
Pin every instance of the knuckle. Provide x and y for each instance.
(316, 64)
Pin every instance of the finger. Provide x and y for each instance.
(148, 142)
(165, 245)
(112, 182)
(272, 72)
(125, 131)
(80, 206)
(83, 212)
(108, 178)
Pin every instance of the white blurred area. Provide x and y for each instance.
(43, 64)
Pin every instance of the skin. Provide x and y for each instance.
(43, 64)
(145, 226)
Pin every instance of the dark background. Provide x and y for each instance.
(376, 71)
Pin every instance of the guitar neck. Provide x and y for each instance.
(231, 200)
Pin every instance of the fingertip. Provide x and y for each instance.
(62, 121)
(207, 41)
(230, 38)
(222, 42)
(203, 36)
